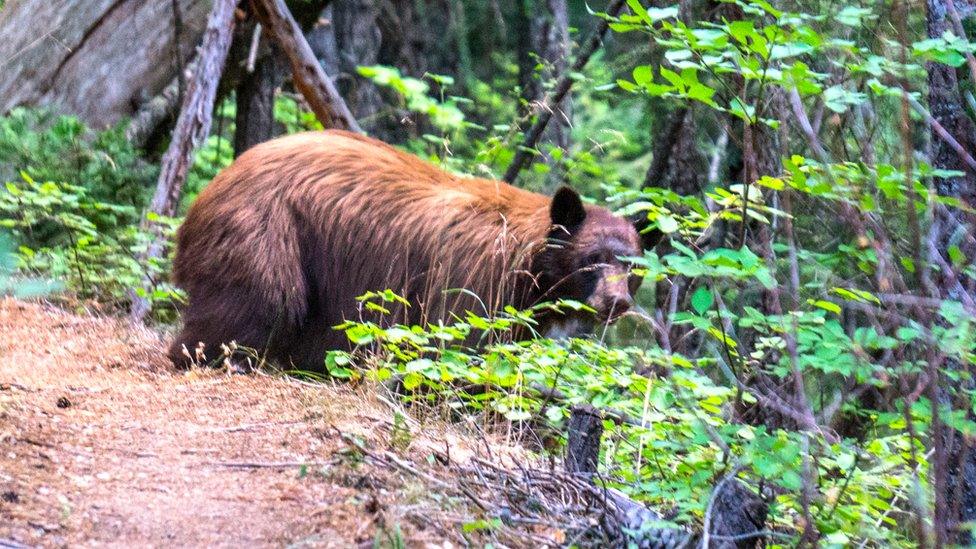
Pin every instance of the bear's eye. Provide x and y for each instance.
(596, 258)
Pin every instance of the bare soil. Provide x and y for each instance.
(102, 443)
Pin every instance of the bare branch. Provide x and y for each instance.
(309, 77)
(545, 108)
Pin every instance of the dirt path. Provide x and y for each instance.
(102, 444)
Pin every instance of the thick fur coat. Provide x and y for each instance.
(276, 249)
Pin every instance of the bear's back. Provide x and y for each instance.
(284, 239)
(330, 166)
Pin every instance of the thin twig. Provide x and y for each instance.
(543, 111)
(252, 55)
(267, 464)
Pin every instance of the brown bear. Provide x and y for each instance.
(276, 249)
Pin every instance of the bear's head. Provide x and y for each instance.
(582, 261)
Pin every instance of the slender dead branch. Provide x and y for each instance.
(940, 130)
(543, 112)
(192, 128)
(309, 77)
(267, 464)
(151, 115)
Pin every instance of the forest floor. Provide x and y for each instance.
(103, 443)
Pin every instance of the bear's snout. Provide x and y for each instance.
(620, 304)
(611, 297)
(614, 306)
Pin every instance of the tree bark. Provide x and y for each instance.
(555, 52)
(415, 35)
(676, 161)
(308, 75)
(947, 109)
(583, 439)
(358, 40)
(256, 70)
(255, 94)
(97, 59)
(954, 463)
(192, 128)
(150, 116)
(548, 38)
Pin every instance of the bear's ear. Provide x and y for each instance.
(567, 208)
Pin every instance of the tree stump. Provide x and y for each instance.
(583, 439)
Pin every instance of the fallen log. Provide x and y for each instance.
(95, 59)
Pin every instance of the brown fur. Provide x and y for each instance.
(276, 249)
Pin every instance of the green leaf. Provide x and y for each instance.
(837, 98)
(742, 110)
(956, 255)
(825, 305)
(852, 16)
(702, 300)
(667, 223)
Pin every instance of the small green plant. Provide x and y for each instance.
(73, 207)
(48, 147)
(389, 538)
(673, 438)
(11, 283)
(443, 112)
(89, 245)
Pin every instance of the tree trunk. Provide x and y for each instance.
(255, 91)
(554, 49)
(257, 66)
(676, 163)
(954, 464)
(97, 59)
(192, 128)
(545, 109)
(308, 75)
(946, 107)
(255, 96)
(415, 37)
(358, 39)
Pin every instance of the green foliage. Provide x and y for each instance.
(443, 113)
(792, 291)
(48, 147)
(796, 323)
(676, 440)
(84, 233)
(12, 282)
(66, 235)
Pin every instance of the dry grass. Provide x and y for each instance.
(102, 443)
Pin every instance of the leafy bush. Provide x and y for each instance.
(48, 147)
(66, 235)
(670, 433)
(73, 203)
(11, 282)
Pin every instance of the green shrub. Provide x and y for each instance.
(669, 433)
(89, 245)
(48, 147)
(73, 202)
